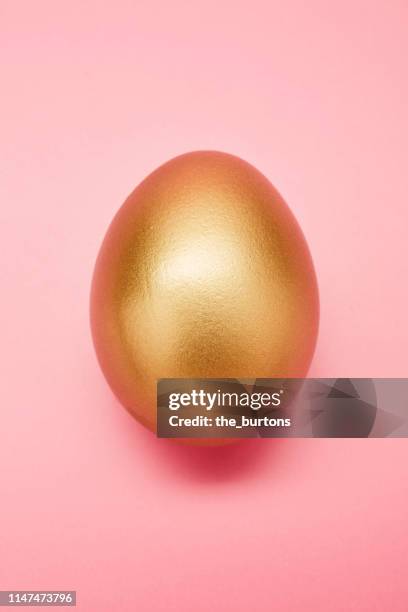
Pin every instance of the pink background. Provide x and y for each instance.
(94, 95)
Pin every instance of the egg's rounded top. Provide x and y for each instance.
(204, 272)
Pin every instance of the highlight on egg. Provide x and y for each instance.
(203, 273)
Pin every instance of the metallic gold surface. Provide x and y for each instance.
(204, 272)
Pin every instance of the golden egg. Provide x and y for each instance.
(203, 273)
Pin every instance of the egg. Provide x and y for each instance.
(203, 273)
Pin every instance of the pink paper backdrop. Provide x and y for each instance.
(94, 95)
